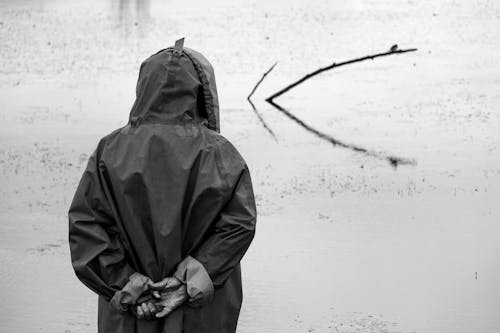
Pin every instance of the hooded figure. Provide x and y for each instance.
(165, 195)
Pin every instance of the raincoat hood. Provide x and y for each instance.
(176, 84)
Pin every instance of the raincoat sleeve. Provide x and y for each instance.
(97, 254)
(212, 263)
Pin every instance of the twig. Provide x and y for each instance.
(259, 82)
(259, 116)
(393, 50)
(393, 160)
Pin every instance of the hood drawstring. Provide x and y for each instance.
(173, 62)
(173, 68)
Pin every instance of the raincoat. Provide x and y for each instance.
(166, 194)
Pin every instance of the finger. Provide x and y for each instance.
(145, 309)
(156, 294)
(173, 283)
(159, 286)
(152, 309)
(140, 313)
(166, 310)
(158, 307)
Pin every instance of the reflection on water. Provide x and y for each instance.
(394, 161)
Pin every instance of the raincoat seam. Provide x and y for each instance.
(207, 96)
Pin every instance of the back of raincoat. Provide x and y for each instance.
(165, 189)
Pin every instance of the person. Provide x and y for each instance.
(165, 210)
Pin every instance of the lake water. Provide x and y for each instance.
(345, 242)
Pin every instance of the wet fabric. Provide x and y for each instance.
(200, 288)
(162, 189)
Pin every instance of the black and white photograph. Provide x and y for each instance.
(279, 166)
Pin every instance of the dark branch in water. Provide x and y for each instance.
(259, 116)
(393, 160)
(393, 50)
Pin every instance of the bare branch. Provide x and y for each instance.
(260, 81)
(393, 50)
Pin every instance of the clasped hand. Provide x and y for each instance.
(160, 299)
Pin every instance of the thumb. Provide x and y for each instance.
(166, 310)
(172, 283)
(158, 286)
